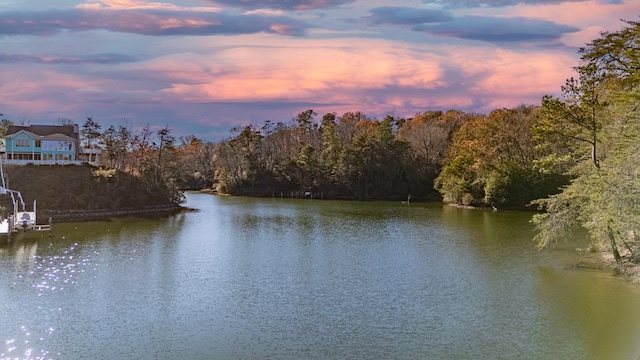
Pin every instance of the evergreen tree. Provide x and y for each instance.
(604, 194)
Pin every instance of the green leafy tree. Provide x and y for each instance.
(603, 196)
(615, 55)
(578, 117)
(331, 148)
(492, 161)
(239, 162)
(308, 167)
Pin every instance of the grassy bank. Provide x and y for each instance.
(82, 192)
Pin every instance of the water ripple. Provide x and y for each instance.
(51, 275)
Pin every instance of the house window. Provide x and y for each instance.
(58, 146)
(38, 143)
(23, 142)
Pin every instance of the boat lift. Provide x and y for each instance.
(20, 219)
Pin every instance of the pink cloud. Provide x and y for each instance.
(139, 5)
(302, 73)
(592, 17)
(512, 74)
(364, 75)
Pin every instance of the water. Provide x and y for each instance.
(246, 278)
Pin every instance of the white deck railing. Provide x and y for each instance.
(42, 162)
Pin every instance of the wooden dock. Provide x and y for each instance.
(9, 229)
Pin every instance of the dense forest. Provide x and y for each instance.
(348, 156)
(574, 157)
(470, 159)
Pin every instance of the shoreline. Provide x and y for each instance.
(58, 216)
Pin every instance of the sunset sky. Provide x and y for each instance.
(203, 66)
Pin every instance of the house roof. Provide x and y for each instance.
(57, 137)
(44, 130)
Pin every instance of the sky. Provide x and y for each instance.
(202, 67)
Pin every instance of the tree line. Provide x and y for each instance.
(347, 156)
(469, 159)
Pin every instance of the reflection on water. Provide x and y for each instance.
(600, 310)
(23, 252)
(250, 278)
(26, 345)
(45, 278)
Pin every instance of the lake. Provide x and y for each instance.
(250, 278)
